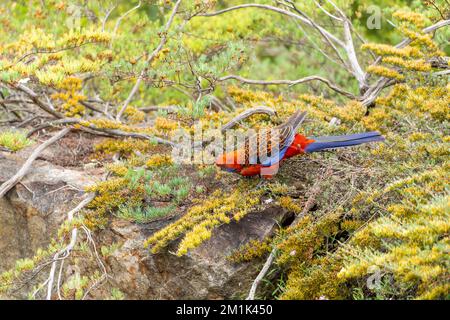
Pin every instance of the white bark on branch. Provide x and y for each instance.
(353, 59)
(261, 275)
(247, 113)
(332, 41)
(116, 27)
(7, 185)
(275, 9)
(35, 98)
(290, 83)
(65, 253)
(149, 60)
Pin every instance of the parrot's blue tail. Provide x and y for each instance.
(331, 142)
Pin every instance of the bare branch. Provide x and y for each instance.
(290, 83)
(149, 60)
(93, 108)
(275, 9)
(324, 35)
(327, 12)
(261, 274)
(308, 205)
(107, 16)
(120, 133)
(35, 98)
(350, 48)
(331, 40)
(247, 113)
(107, 132)
(7, 185)
(64, 253)
(119, 20)
(170, 109)
(441, 73)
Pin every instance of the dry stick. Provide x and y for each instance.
(169, 109)
(93, 108)
(261, 275)
(34, 96)
(107, 16)
(149, 60)
(318, 28)
(120, 133)
(247, 113)
(348, 45)
(116, 27)
(102, 131)
(53, 124)
(66, 251)
(275, 9)
(290, 83)
(330, 39)
(308, 205)
(6, 186)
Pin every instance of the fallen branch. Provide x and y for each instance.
(120, 133)
(308, 205)
(93, 108)
(6, 186)
(261, 274)
(102, 131)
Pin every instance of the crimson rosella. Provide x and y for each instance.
(262, 153)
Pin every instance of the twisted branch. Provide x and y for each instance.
(6, 186)
(330, 84)
(149, 60)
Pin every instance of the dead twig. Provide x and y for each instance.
(308, 205)
(65, 252)
(149, 60)
(330, 84)
(247, 113)
(6, 186)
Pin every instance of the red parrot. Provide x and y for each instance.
(257, 155)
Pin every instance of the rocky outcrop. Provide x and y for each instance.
(204, 273)
(31, 213)
(33, 210)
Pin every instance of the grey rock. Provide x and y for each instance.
(32, 212)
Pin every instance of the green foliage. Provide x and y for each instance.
(142, 215)
(14, 140)
(116, 294)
